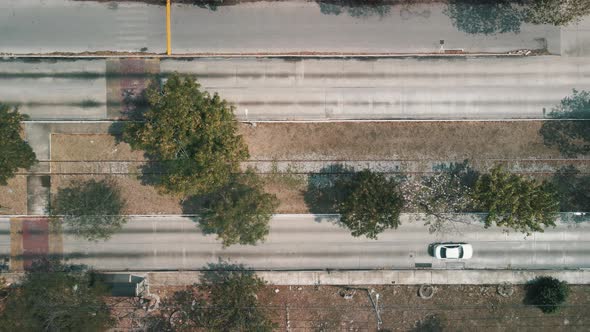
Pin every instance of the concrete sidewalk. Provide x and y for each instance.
(383, 277)
(367, 277)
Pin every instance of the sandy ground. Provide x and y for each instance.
(13, 197)
(391, 140)
(91, 148)
(452, 308)
(351, 141)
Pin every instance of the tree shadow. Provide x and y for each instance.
(571, 137)
(466, 174)
(487, 17)
(355, 8)
(195, 205)
(322, 192)
(430, 323)
(572, 190)
(212, 5)
(215, 273)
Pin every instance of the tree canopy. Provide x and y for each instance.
(15, 153)
(240, 211)
(516, 202)
(225, 300)
(54, 297)
(368, 203)
(192, 135)
(571, 135)
(92, 209)
(556, 12)
(547, 293)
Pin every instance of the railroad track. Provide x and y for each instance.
(302, 166)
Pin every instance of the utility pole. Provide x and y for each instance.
(168, 33)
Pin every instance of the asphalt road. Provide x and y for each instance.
(312, 242)
(320, 89)
(45, 26)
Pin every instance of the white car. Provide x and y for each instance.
(453, 251)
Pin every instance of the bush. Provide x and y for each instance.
(547, 293)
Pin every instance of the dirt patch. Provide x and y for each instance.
(289, 189)
(96, 151)
(396, 140)
(140, 198)
(72, 147)
(452, 308)
(13, 196)
(350, 141)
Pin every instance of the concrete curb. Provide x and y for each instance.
(302, 55)
(365, 277)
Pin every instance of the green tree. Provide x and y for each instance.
(368, 203)
(516, 202)
(547, 293)
(573, 189)
(225, 300)
(571, 134)
(54, 297)
(15, 153)
(240, 211)
(556, 12)
(92, 209)
(192, 134)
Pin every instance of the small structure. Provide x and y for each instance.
(125, 284)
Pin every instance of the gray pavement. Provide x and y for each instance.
(382, 277)
(45, 26)
(307, 242)
(575, 39)
(321, 89)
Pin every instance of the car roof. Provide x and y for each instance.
(452, 252)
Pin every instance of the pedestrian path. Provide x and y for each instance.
(381, 277)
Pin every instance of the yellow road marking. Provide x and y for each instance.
(168, 37)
